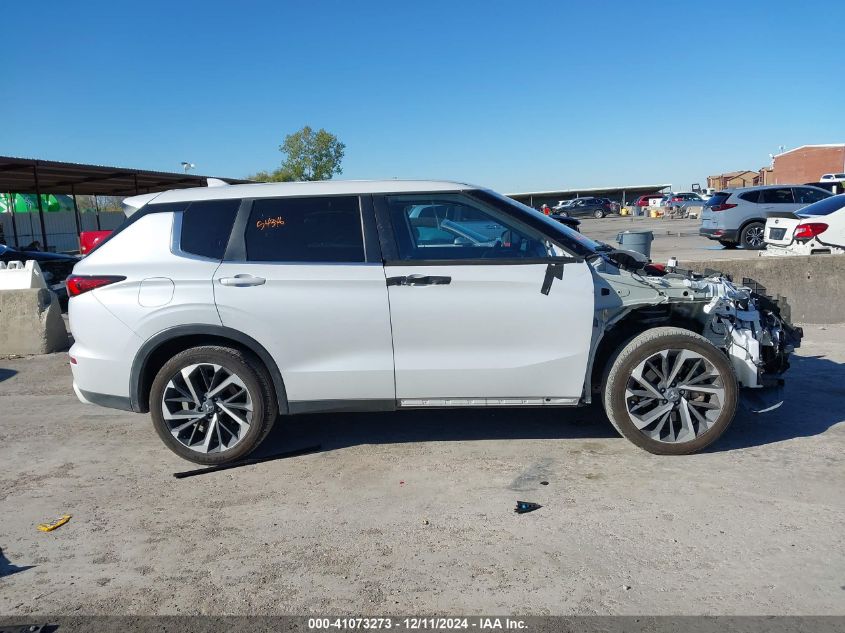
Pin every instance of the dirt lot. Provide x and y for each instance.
(412, 512)
(671, 237)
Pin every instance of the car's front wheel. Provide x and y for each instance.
(212, 404)
(670, 391)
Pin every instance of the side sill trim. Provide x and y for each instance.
(107, 400)
(340, 406)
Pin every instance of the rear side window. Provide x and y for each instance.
(717, 198)
(317, 229)
(750, 196)
(805, 195)
(776, 196)
(206, 226)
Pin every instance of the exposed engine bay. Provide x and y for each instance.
(749, 326)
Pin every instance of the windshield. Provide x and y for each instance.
(574, 241)
(824, 207)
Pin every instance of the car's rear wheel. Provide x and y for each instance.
(728, 244)
(212, 405)
(598, 214)
(752, 236)
(670, 391)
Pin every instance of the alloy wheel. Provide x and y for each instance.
(207, 408)
(675, 395)
(754, 236)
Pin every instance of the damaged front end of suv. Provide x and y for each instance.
(674, 387)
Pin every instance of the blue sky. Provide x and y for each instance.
(513, 95)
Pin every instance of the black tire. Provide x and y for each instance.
(728, 244)
(640, 348)
(751, 236)
(257, 382)
(598, 214)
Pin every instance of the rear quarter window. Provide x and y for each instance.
(717, 198)
(750, 196)
(206, 226)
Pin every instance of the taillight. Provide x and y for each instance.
(722, 207)
(77, 284)
(809, 231)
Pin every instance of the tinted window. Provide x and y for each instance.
(717, 198)
(825, 207)
(776, 196)
(805, 195)
(750, 196)
(206, 226)
(305, 230)
(464, 229)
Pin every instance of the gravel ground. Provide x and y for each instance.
(413, 512)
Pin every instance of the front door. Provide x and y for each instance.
(482, 320)
(302, 282)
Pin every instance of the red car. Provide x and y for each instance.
(88, 240)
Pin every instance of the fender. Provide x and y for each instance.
(139, 364)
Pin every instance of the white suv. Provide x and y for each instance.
(219, 309)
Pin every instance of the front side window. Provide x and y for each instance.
(316, 229)
(776, 196)
(206, 226)
(805, 195)
(453, 226)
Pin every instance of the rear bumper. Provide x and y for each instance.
(102, 399)
(726, 235)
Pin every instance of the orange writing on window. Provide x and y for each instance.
(270, 223)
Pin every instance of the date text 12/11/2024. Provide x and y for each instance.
(417, 623)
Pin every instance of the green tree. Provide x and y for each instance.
(309, 155)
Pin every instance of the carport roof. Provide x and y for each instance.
(590, 190)
(28, 175)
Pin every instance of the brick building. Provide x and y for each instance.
(733, 179)
(807, 164)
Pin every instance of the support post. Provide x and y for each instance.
(76, 210)
(14, 221)
(97, 211)
(40, 208)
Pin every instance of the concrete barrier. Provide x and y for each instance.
(30, 315)
(17, 275)
(31, 322)
(814, 286)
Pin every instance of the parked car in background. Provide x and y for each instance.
(833, 178)
(88, 240)
(833, 186)
(178, 313)
(816, 229)
(738, 216)
(679, 202)
(572, 223)
(595, 207)
(645, 201)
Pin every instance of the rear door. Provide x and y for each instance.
(505, 321)
(304, 278)
(777, 199)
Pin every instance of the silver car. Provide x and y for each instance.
(738, 216)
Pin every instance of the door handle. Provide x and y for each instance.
(419, 280)
(242, 281)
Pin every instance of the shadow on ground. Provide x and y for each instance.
(5, 374)
(6, 567)
(814, 402)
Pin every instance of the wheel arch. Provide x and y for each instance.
(161, 347)
(617, 337)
